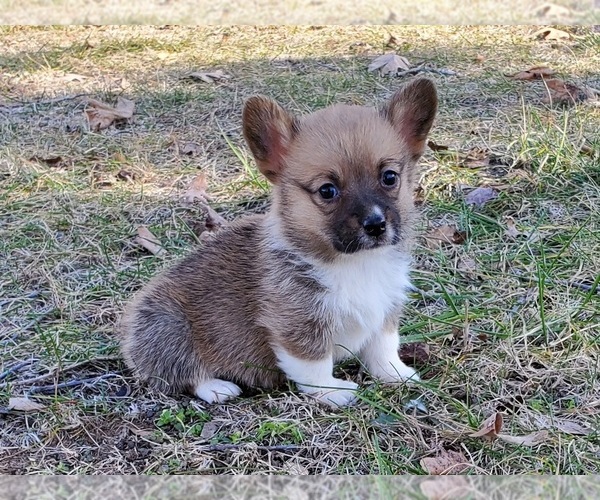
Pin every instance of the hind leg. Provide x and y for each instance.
(215, 390)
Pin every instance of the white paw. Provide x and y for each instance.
(395, 371)
(216, 390)
(335, 393)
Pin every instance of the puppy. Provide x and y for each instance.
(319, 278)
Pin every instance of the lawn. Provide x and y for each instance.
(504, 318)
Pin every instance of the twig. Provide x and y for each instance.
(57, 369)
(227, 447)
(42, 102)
(16, 367)
(72, 383)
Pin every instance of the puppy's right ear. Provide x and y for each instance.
(268, 130)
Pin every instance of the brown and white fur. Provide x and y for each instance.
(319, 278)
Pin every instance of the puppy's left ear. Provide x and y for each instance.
(268, 130)
(411, 111)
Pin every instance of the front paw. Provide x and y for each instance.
(395, 371)
(335, 393)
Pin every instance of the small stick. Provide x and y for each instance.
(43, 389)
(16, 367)
(227, 447)
(57, 369)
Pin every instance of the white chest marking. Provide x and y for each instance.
(362, 289)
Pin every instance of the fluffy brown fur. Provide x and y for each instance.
(257, 303)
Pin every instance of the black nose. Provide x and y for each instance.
(374, 225)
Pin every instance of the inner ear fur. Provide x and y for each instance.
(411, 111)
(268, 130)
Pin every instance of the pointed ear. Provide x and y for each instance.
(268, 130)
(411, 111)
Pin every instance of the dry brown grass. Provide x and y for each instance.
(512, 324)
(267, 12)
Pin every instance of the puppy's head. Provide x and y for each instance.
(343, 176)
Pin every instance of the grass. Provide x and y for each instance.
(511, 323)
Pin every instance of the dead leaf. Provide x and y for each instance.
(126, 175)
(532, 439)
(415, 353)
(101, 115)
(209, 430)
(551, 34)
(511, 228)
(534, 73)
(209, 77)
(563, 425)
(490, 428)
(478, 197)
(467, 265)
(476, 158)
(389, 64)
(150, 242)
(52, 161)
(24, 404)
(445, 487)
(436, 147)
(444, 235)
(189, 149)
(561, 92)
(197, 190)
(447, 462)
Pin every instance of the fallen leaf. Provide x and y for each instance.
(209, 77)
(561, 92)
(551, 34)
(444, 235)
(52, 161)
(416, 404)
(389, 64)
(587, 150)
(532, 439)
(467, 265)
(436, 147)
(415, 353)
(126, 175)
(197, 190)
(209, 430)
(445, 488)
(447, 462)
(490, 428)
(478, 197)
(476, 158)
(100, 115)
(511, 228)
(24, 404)
(563, 425)
(189, 149)
(534, 73)
(150, 242)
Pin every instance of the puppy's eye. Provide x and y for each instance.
(328, 191)
(389, 178)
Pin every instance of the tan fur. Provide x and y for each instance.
(255, 287)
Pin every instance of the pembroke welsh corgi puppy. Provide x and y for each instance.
(321, 277)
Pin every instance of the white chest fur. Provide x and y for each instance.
(362, 289)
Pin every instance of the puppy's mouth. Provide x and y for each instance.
(364, 241)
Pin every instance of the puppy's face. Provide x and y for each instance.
(343, 175)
